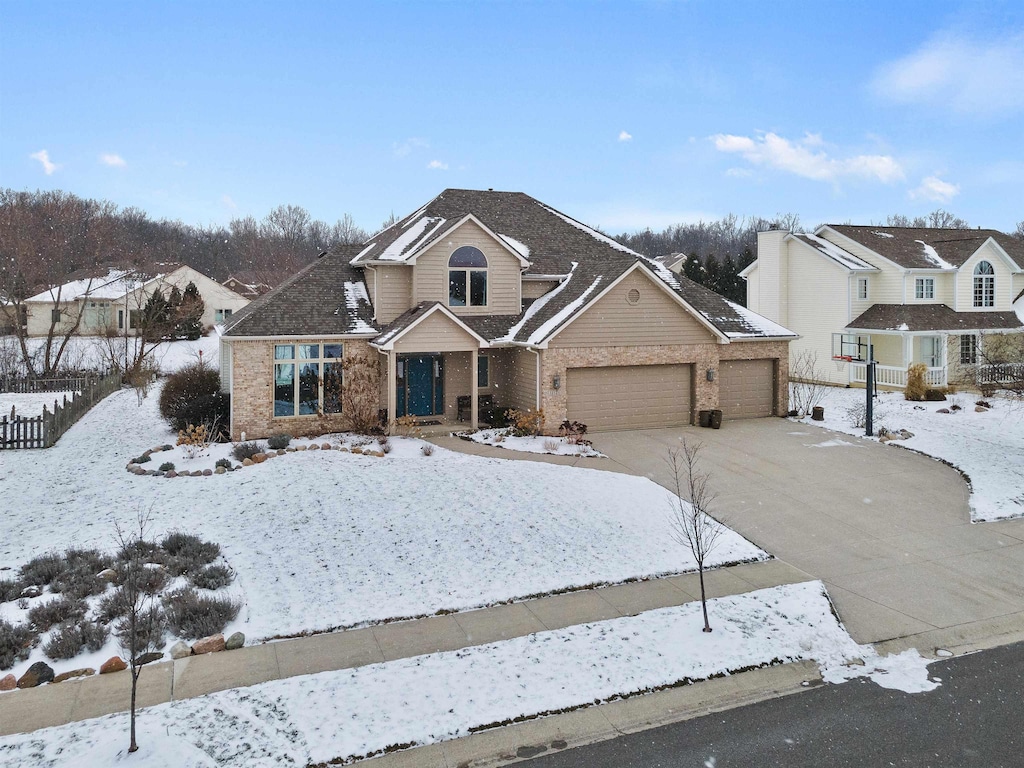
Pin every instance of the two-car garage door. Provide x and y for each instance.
(630, 397)
(746, 388)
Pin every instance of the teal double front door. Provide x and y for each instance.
(420, 385)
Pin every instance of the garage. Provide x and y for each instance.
(746, 388)
(630, 397)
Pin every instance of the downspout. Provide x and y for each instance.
(537, 353)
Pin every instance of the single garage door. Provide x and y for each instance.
(629, 397)
(746, 388)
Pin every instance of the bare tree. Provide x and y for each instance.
(690, 519)
(806, 382)
(938, 218)
(1019, 231)
(1000, 364)
(141, 629)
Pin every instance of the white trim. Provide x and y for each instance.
(722, 337)
(1002, 254)
(546, 278)
(870, 268)
(390, 343)
(426, 246)
(747, 269)
(860, 244)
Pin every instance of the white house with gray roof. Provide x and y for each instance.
(482, 301)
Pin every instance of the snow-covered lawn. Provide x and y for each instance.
(88, 352)
(327, 539)
(30, 404)
(987, 446)
(441, 696)
(558, 446)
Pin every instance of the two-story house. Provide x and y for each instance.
(935, 296)
(483, 293)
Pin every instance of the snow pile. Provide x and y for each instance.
(441, 696)
(907, 671)
(407, 240)
(520, 248)
(932, 255)
(355, 296)
(533, 444)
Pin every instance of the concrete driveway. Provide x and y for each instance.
(888, 530)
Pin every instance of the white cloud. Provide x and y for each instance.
(112, 159)
(807, 158)
(739, 173)
(950, 72)
(43, 157)
(934, 188)
(402, 149)
(437, 165)
(623, 136)
(226, 199)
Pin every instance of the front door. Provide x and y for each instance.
(423, 386)
(931, 351)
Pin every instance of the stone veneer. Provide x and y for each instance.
(555, 362)
(252, 398)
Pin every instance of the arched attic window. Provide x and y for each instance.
(467, 278)
(984, 285)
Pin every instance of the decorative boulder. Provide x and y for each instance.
(219, 471)
(247, 462)
(8, 683)
(980, 409)
(108, 574)
(325, 447)
(149, 658)
(302, 448)
(37, 674)
(314, 447)
(211, 644)
(943, 410)
(234, 642)
(281, 451)
(259, 458)
(196, 473)
(180, 650)
(32, 591)
(84, 672)
(207, 472)
(171, 473)
(113, 664)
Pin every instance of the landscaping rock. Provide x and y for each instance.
(247, 462)
(281, 451)
(149, 658)
(171, 473)
(302, 448)
(196, 473)
(32, 591)
(8, 683)
(167, 447)
(37, 674)
(325, 446)
(234, 642)
(113, 664)
(180, 650)
(208, 472)
(108, 574)
(211, 644)
(943, 410)
(356, 449)
(289, 450)
(343, 448)
(83, 672)
(157, 449)
(219, 471)
(259, 458)
(984, 403)
(980, 409)
(906, 434)
(314, 447)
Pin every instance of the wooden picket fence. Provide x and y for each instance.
(29, 385)
(44, 430)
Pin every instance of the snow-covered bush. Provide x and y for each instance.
(41, 570)
(243, 451)
(15, 643)
(279, 441)
(68, 640)
(213, 577)
(56, 611)
(191, 615)
(188, 553)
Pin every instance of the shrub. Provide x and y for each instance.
(15, 643)
(384, 443)
(141, 459)
(10, 589)
(112, 606)
(526, 423)
(188, 383)
(934, 395)
(279, 441)
(167, 466)
(243, 451)
(94, 636)
(226, 463)
(916, 386)
(191, 615)
(427, 449)
(57, 611)
(213, 577)
(149, 629)
(80, 580)
(573, 431)
(147, 550)
(195, 438)
(67, 641)
(188, 553)
(213, 411)
(551, 446)
(40, 571)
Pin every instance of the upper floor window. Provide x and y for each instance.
(984, 285)
(220, 315)
(467, 278)
(862, 288)
(924, 288)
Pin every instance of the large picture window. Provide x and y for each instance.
(467, 278)
(307, 379)
(984, 285)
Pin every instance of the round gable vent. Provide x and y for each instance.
(633, 296)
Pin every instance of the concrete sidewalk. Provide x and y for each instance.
(49, 705)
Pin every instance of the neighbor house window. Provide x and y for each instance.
(120, 318)
(984, 285)
(220, 315)
(467, 278)
(968, 349)
(134, 318)
(862, 288)
(307, 379)
(483, 371)
(924, 288)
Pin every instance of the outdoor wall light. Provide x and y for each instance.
(711, 374)
(556, 382)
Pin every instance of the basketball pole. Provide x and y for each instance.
(869, 413)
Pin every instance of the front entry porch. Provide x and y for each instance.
(894, 353)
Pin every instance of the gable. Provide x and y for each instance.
(436, 333)
(655, 319)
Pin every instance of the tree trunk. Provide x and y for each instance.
(703, 598)
(135, 681)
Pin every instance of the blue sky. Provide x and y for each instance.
(621, 114)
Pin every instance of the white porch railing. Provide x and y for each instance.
(895, 376)
(1000, 373)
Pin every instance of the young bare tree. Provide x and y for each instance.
(141, 628)
(806, 382)
(690, 519)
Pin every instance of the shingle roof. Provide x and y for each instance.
(932, 317)
(834, 252)
(928, 247)
(328, 297)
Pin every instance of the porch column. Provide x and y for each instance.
(908, 350)
(474, 399)
(392, 374)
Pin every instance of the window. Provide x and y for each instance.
(968, 349)
(54, 316)
(483, 372)
(862, 288)
(984, 285)
(220, 315)
(467, 278)
(134, 318)
(307, 379)
(120, 318)
(924, 288)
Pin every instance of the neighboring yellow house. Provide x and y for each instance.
(104, 303)
(482, 301)
(916, 295)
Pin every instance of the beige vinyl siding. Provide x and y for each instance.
(1004, 282)
(436, 333)
(888, 349)
(370, 278)
(884, 287)
(456, 382)
(430, 273)
(394, 292)
(522, 384)
(38, 315)
(534, 289)
(753, 287)
(654, 320)
(772, 276)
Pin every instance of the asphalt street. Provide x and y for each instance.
(974, 718)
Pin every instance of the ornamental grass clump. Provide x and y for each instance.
(192, 616)
(243, 451)
(916, 387)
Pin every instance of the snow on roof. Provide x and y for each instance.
(556, 320)
(538, 305)
(404, 242)
(759, 326)
(515, 245)
(834, 252)
(355, 292)
(592, 232)
(662, 271)
(114, 285)
(363, 252)
(932, 255)
(883, 234)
